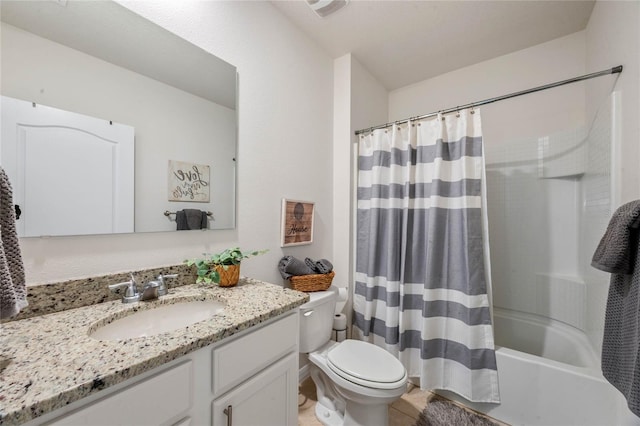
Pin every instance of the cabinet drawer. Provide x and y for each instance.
(244, 357)
(151, 402)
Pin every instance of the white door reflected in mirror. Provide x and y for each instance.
(72, 174)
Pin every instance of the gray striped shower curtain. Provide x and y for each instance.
(422, 258)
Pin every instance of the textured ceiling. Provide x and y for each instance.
(402, 42)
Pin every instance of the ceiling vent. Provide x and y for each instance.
(323, 8)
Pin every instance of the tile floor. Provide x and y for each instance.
(403, 412)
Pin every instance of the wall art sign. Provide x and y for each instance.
(297, 222)
(188, 182)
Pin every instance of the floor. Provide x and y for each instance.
(403, 412)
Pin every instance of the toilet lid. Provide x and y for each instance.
(365, 362)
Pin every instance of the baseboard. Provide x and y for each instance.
(303, 373)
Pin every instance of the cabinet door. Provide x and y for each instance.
(267, 399)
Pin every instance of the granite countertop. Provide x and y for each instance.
(49, 361)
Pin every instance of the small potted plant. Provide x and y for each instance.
(221, 268)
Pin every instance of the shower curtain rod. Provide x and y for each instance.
(614, 70)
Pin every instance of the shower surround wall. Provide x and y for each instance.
(597, 205)
(533, 205)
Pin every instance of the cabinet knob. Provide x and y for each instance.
(229, 412)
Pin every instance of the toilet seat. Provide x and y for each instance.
(366, 364)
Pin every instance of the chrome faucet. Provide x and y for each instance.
(151, 290)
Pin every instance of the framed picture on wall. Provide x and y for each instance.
(297, 222)
(188, 182)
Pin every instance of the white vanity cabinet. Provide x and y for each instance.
(255, 378)
(250, 378)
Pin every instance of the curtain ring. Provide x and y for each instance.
(458, 112)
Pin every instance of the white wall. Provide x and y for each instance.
(359, 101)
(532, 271)
(369, 99)
(613, 38)
(342, 169)
(518, 117)
(170, 124)
(285, 110)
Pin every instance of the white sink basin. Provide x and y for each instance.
(158, 320)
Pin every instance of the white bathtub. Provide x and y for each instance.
(549, 375)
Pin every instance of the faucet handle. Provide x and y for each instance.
(119, 285)
(164, 276)
(130, 294)
(163, 290)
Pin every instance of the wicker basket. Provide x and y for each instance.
(315, 282)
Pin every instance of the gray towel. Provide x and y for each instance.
(191, 219)
(13, 292)
(322, 266)
(616, 251)
(289, 266)
(619, 252)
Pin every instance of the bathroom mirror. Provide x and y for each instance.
(98, 59)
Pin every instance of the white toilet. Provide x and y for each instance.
(355, 381)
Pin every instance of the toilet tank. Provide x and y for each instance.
(316, 319)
